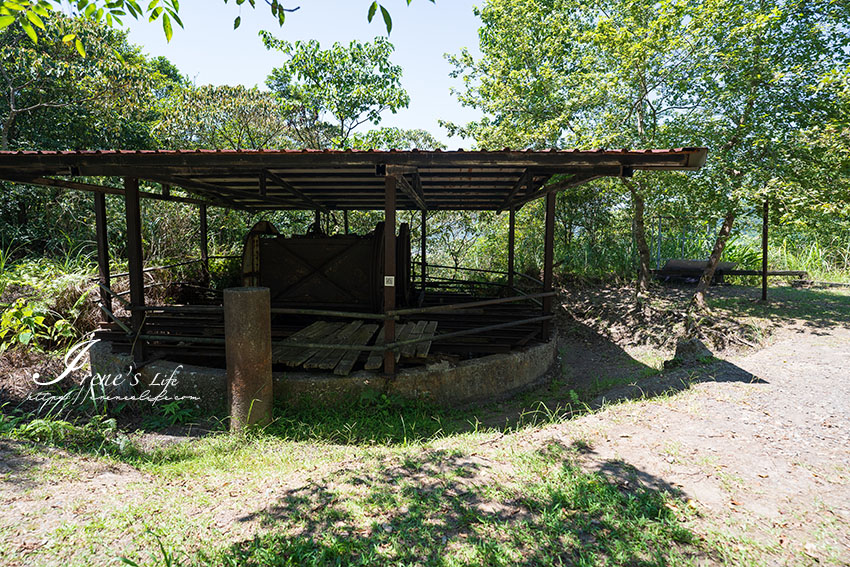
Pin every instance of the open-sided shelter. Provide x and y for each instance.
(368, 323)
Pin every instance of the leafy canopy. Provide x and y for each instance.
(345, 85)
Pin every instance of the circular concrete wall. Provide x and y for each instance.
(477, 380)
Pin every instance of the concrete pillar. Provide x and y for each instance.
(248, 347)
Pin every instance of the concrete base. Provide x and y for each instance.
(482, 379)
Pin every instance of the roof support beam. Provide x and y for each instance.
(560, 186)
(287, 186)
(78, 186)
(412, 188)
(416, 196)
(223, 193)
(524, 180)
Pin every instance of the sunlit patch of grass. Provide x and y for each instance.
(543, 511)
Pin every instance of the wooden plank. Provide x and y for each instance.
(284, 353)
(361, 337)
(403, 335)
(423, 347)
(376, 358)
(328, 335)
(329, 358)
(408, 351)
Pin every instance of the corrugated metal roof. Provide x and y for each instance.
(348, 179)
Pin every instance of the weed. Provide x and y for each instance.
(170, 414)
(99, 435)
(166, 557)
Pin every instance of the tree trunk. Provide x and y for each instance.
(698, 300)
(639, 230)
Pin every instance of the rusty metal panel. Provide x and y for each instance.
(318, 271)
(330, 271)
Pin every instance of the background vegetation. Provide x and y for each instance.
(763, 84)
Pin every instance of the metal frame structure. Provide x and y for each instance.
(327, 180)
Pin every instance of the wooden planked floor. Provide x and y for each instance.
(342, 360)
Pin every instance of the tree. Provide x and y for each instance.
(54, 99)
(50, 79)
(742, 77)
(348, 86)
(759, 77)
(222, 117)
(396, 139)
(565, 73)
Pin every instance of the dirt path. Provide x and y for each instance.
(762, 448)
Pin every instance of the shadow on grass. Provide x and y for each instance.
(17, 464)
(817, 309)
(446, 508)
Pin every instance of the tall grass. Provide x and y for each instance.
(824, 260)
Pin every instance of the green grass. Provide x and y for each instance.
(817, 308)
(436, 507)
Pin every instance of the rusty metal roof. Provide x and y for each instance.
(347, 179)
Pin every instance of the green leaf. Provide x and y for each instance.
(42, 9)
(372, 9)
(29, 31)
(68, 38)
(387, 20)
(80, 49)
(237, 21)
(166, 27)
(25, 337)
(6, 21)
(36, 21)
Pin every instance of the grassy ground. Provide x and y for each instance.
(479, 498)
(388, 482)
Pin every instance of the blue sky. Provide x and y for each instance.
(210, 51)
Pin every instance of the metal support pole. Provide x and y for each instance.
(658, 247)
(134, 262)
(318, 220)
(765, 214)
(205, 253)
(389, 269)
(248, 351)
(102, 248)
(345, 220)
(548, 253)
(424, 246)
(511, 246)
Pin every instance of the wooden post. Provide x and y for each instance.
(424, 247)
(134, 262)
(205, 254)
(345, 220)
(548, 253)
(511, 246)
(389, 269)
(248, 352)
(765, 214)
(102, 247)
